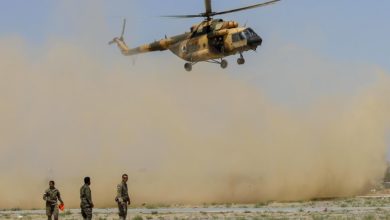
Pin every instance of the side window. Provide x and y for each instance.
(236, 37)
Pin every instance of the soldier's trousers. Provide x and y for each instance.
(52, 210)
(122, 206)
(86, 212)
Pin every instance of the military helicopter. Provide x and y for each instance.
(209, 41)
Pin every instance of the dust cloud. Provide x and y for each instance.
(182, 137)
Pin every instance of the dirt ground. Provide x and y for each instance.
(364, 207)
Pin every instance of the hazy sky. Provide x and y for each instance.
(348, 36)
(351, 30)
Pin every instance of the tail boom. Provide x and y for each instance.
(155, 46)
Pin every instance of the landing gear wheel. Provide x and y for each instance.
(188, 67)
(240, 61)
(224, 64)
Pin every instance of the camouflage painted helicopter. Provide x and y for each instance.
(210, 41)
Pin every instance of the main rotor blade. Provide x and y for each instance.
(183, 16)
(245, 8)
(211, 13)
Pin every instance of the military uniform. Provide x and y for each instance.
(86, 204)
(122, 199)
(51, 196)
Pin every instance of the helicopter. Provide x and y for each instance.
(208, 41)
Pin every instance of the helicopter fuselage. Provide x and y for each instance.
(215, 45)
(208, 40)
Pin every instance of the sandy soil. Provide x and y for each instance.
(365, 207)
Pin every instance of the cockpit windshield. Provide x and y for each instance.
(238, 36)
(249, 33)
(242, 36)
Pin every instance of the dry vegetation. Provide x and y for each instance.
(338, 209)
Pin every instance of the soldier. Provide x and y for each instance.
(122, 197)
(86, 204)
(51, 196)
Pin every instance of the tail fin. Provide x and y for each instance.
(120, 42)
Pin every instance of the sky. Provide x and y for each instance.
(346, 34)
(345, 30)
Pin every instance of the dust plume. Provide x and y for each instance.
(182, 138)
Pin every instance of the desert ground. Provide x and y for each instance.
(361, 207)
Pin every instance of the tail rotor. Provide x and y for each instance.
(123, 29)
(116, 39)
(119, 41)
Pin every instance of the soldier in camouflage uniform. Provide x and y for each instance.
(122, 197)
(51, 196)
(86, 204)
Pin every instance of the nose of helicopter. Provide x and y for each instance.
(253, 39)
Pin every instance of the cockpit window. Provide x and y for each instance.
(238, 36)
(249, 33)
(242, 36)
